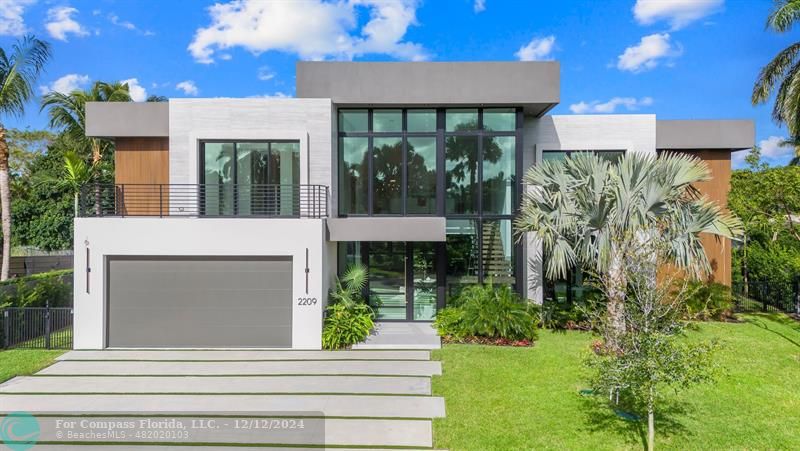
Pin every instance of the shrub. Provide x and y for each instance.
(557, 315)
(348, 318)
(489, 312)
(346, 325)
(37, 290)
(708, 301)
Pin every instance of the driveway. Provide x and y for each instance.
(362, 398)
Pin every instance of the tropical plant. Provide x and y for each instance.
(782, 74)
(650, 358)
(488, 311)
(708, 301)
(76, 173)
(67, 112)
(19, 71)
(590, 214)
(348, 318)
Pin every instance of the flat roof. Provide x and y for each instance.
(705, 134)
(127, 119)
(533, 85)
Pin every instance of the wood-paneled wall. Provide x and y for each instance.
(142, 161)
(716, 189)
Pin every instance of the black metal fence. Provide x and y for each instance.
(36, 327)
(209, 200)
(767, 296)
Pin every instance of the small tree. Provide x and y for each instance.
(650, 357)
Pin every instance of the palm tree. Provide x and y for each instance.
(590, 213)
(19, 71)
(68, 113)
(783, 71)
(76, 174)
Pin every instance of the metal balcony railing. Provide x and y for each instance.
(229, 200)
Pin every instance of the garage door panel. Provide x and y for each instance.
(199, 301)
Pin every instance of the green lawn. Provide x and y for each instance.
(527, 398)
(23, 362)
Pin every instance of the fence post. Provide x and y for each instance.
(6, 331)
(47, 324)
(797, 295)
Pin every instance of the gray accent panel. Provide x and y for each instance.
(535, 85)
(386, 229)
(705, 134)
(127, 119)
(199, 301)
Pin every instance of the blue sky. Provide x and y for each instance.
(675, 58)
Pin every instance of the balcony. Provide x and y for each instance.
(203, 201)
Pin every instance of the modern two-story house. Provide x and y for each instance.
(229, 218)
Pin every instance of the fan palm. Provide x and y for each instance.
(19, 71)
(67, 112)
(589, 213)
(783, 72)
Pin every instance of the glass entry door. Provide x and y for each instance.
(403, 280)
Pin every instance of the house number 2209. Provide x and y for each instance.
(306, 301)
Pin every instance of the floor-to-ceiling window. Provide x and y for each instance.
(258, 178)
(458, 163)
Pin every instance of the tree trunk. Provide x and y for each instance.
(616, 285)
(5, 205)
(651, 428)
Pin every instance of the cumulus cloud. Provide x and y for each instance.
(479, 6)
(60, 24)
(313, 29)
(629, 103)
(137, 91)
(265, 74)
(648, 53)
(538, 49)
(678, 13)
(11, 21)
(188, 87)
(65, 84)
(773, 148)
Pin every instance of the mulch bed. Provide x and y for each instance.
(488, 341)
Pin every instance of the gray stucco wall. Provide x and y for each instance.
(127, 119)
(706, 134)
(534, 85)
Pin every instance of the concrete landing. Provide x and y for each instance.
(401, 335)
(240, 354)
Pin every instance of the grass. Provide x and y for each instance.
(24, 362)
(527, 398)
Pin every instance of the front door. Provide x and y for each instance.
(403, 280)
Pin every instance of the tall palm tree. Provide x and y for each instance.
(590, 213)
(19, 71)
(783, 72)
(68, 113)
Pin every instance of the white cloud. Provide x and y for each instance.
(650, 51)
(114, 19)
(773, 148)
(537, 50)
(137, 91)
(479, 5)
(60, 23)
(11, 21)
(65, 84)
(188, 87)
(629, 103)
(264, 73)
(679, 13)
(312, 29)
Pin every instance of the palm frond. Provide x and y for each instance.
(19, 72)
(785, 14)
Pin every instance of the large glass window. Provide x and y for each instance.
(461, 119)
(353, 121)
(463, 255)
(387, 121)
(421, 166)
(421, 121)
(461, 176)
(250, 178)
(498, 251)
(353, 174)
(387, 167)
(499, 174)
(500, 119)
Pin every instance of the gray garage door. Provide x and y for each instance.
(199, 302)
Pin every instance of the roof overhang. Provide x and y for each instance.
(532, 85)
(705, 134)
(386, 229)
(127, 119)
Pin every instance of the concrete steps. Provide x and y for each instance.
(382, 385)
(363, 399)
(240, 354)
(240, 368)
